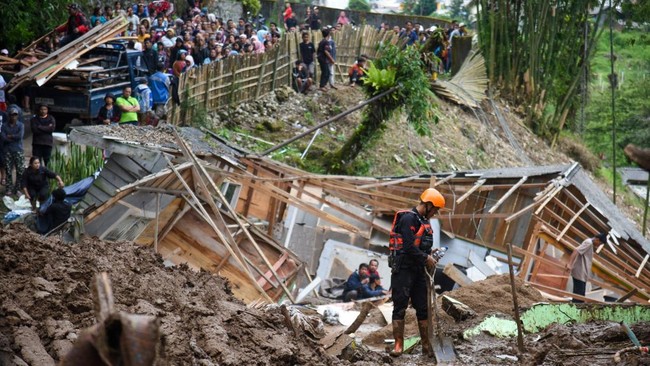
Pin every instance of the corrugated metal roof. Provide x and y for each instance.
(633, 174)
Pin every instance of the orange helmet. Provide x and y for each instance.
(432, 195)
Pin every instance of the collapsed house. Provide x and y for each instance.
(263, 225)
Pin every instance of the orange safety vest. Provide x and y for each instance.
(396, 243)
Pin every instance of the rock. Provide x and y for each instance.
(144, 307)
(61, 347)
(44, 285)
(272, 126)
(31, 348)
(41, 294)
(12, 310)
(17, 361)
(58, 329)
(283, 94)
(456, 309)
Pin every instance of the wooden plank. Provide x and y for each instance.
(573, 219)
(220, 233)
(389, 182)
(645, 261)
(200, 170)
(507, 194)
(548, 199)
(556, 292)
(444, 180)
(456, 275)
(628, 295)
(476, 186)
(480, 264)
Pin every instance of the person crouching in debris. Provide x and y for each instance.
(411, 241)
(580, 263)
(56, 214)
(36, 185)
(354, 285)
(373, 288)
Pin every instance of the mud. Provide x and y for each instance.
(46, 300)
(590, 344)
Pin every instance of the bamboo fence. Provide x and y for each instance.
(245, 78)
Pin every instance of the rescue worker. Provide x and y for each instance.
(411, 241)
(75, 27)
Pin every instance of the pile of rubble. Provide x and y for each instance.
(47, 301)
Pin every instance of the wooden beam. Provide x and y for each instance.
(476, 186)
(220, 234)
(521, 212)
(556, 292)
(507, 194)
(389, 182)
(573, 219)
(457, 275)
(177, 216)
(444, 180)
(548, 199)
(187, 151)
(638, 271)
(628, 295)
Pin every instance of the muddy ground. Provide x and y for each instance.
(45, 292)
(46, 301)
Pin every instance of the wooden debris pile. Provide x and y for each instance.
(67, 57)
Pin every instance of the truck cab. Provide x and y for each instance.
(78, 91)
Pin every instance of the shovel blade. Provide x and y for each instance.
(443, 350)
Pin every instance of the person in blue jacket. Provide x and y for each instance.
(373, 288)
(354, 285)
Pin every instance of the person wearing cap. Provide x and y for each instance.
(168, 39)
(12, 133)
(411, 249)
(129, 107)
(75, 27)
(580, 263)
(43, 125)
(108, 113)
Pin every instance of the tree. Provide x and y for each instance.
(403, 67)
(458, 11)
(23, 21)
(419, 7)
(637, 11)
(359, 5)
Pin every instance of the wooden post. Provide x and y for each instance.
(259, 80)
(155, 242)
(520, 336)
(275, 64)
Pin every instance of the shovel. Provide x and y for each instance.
(443, 347)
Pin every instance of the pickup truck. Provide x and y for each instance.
(78, 92)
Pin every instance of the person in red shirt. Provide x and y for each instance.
(75, 27)
(286, 14)
(357, 71)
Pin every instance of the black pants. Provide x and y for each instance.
(324, 74)
(44, 153)
(579, 288)
(409, 283)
